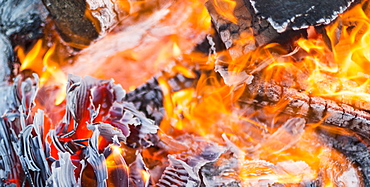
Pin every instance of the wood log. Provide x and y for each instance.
(79, 22)
(238, 34)
(315, 109)
(299, 14)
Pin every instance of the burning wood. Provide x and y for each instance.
(246, 105)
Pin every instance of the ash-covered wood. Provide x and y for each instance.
(298, 14)
(22, 19)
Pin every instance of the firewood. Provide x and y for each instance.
(79, 22)
(314, 109)
(248, 24)
(283, 14)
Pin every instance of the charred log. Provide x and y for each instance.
(73, 25)
(249, 23)
(79, 22)
(283, 15)
(314, 109)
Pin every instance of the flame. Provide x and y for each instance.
(345, 76)
(41, 59)
(226, 9)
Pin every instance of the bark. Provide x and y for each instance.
(72, 23)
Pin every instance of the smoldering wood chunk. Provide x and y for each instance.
(148, 99)
(299, 14)
(72, 23)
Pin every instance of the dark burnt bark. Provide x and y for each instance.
(353, 148)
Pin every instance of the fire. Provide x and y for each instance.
(226, 8)
(270, 148)
(350, 57)
(45, 62)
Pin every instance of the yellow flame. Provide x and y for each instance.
(350, 59)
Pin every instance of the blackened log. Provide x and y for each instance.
(79, 22)
(248, 24)
(72, 23)
(298, 14)
(314, 109)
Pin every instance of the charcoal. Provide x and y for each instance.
(154, 101)
(148, 98)
(299, 14)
